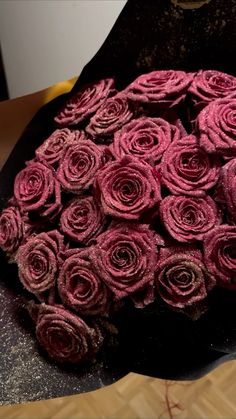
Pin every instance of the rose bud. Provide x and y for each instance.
(220, 255)
(217, 127)
(181, 277)
(127, 188)
(188, 219)
(82, 219)
(144, 138)
(85, 102)
(187, 169)
(36, 189)
(80, 287)
(38, 261)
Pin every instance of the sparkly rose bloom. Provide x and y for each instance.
(217, 127)
(187, 169)
(188, 219)
(220, 255)
(38, 261)
(128, 188)
(36, 189)
(85, 102)
(144, 138)
(50, 152)
(82, 219)
(165, 87)
(80, 287)
(12, 229)
(227, 185)
(125, 257)
(181, 278)
(65, 336)
(79, 165)
(111, 116)
(210, 85)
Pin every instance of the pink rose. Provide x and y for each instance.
(188, 219)
(128, 188)
(85, 102)
(187, 169)
(80, 287)
(144, 138)
(181, 277)
(38, 261)
(36, 189)
(227, 184)
(220, 255)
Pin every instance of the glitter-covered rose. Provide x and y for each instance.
(111, 116)
(79, 165)
(144, 138)
(210, 85)
(227, 186)
(38, 261)
(220, 255)
(36, 189)
(50, 152)
(181, 277)
(128, 188)
(125, 257)
(216, 124)
(80, 287)
(11, 229)
(188, 219)
(65, 336)
(187, 169)
(85, 102)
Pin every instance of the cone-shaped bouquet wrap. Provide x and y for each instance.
(117, 227)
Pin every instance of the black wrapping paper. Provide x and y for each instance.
(148, 35)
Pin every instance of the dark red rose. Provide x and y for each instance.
(144, 138)
(125, 257)
(210, 85)
(220, 255)
(181, 278)
(79, 165)
(11, 229)
(80, 287)
(166, 87)
(50, 152)
(187, 169)
(128, 188)
(111, 116)
(82, 219)
(36, 189)
(85, 102)
(188, 219)
(227, 185)
(217, 127)
(38, 261)
(65, 336)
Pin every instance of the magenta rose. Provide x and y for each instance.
(181, 277)
(79, 165)
(12, 229)
(125, 257)
(210, 85)
(65, 336)
(82, 219)
(128, 188)
(50, 152)
(187, 169)
(80, 287)
(220, 255)
(217, 127)
(144, 138)
(36, 189)
(188, 219)
(111, 116)
(38, 261)
(85, 102)
(165, 87)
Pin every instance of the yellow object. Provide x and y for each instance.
(58, 89)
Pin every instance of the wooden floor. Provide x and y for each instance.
(135, 396)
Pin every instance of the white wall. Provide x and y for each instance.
(46, 41)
